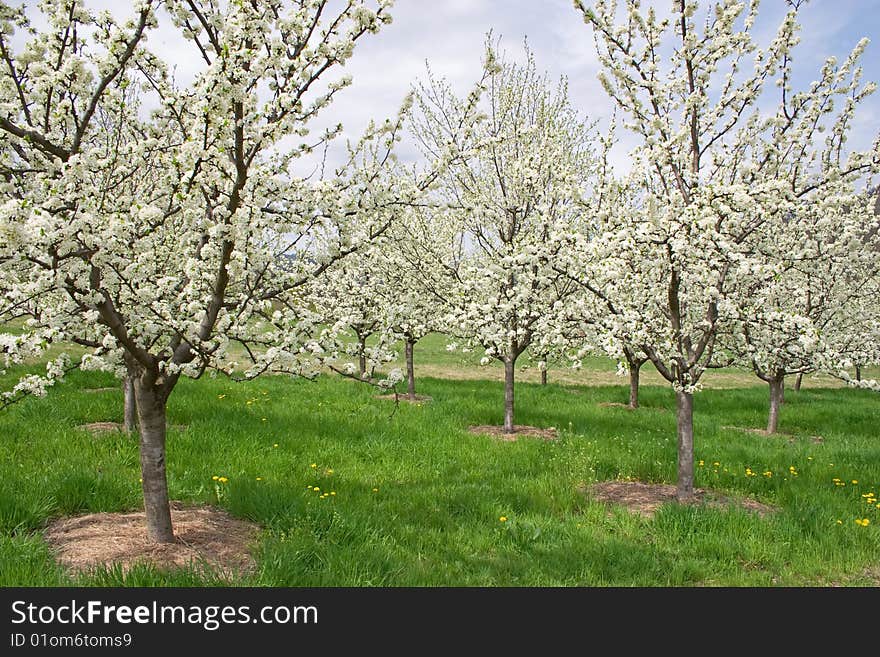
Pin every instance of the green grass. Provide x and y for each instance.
(434, 519)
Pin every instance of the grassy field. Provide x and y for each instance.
(434, 360)
(418, 500)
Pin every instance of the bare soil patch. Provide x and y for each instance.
(816, 440)
(102, 427)
(98, 428)
(519, 431)
(759, 432)
(418, 399)
(206, 536)
(630, 408)
(645, 499)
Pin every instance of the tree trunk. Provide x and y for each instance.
(152, 415)
(544, 376)
(797, 382)
(858, 372)
(130, 405)
(782, 390)
(362, 356)
(634, 368)
(684, 405)
(508, 394)
(410, 370)
(777, 387)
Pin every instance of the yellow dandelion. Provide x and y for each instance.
(840, 522)
(503, 519)
(222, 480)
(316, 489)
(328, 471)
(263, 419)
(215, 477)
(375, 490)
(716, 464)
(855, 481)
(259, 479)
(313, 465)
(701, 464)
(333, 492)
(274, 444)
(220, 396)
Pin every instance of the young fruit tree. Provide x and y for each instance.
(408, 313)
(511, 209)
(720, 166)
(347, 304)
(600, 329)
(861, 342)
(802, 319)
(160, 238)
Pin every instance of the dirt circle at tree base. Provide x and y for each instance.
(519, 431)
(207, 536)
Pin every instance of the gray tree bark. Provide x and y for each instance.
(634, 369)
(153, 419)
(410, 370)
(362, 356)
(684, 405)
(129, 404)
(777, 388)
(797, 382)
(634, 364)
(544, 376)
(858, 372)
(509, 364)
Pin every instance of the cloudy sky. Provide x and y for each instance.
(450, 35)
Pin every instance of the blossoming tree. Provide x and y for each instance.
(510, 211)
(347, 305)
(408, 312)
(206, 243)
(720, 165)
(805, 317)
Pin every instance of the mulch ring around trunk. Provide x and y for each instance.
(206, 537)
(645, 499)
(519, 431)
(417, 399)
(627, 407)
(816, 440)
(98, 428)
